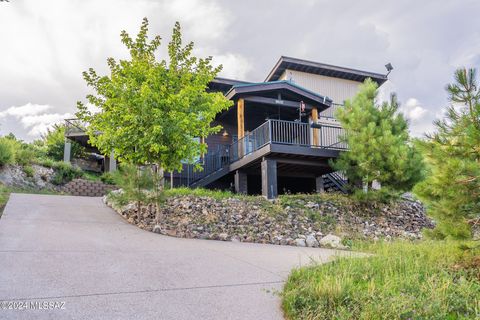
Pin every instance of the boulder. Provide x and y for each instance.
(332, 241)
(299, 242)
(311, 241)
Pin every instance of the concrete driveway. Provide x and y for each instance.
(73, 257)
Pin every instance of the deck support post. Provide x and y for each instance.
(269, 178)
(320, 188)
(67, 151)
(315, 132)
(110, 163)
(240, 126)
(241, 183)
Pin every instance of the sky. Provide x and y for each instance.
(45, 45)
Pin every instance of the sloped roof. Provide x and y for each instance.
(251, 88)
(290, 63)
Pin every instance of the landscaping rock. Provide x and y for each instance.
(300, 242)
(332, 241)
(15, 176)
(311, 241)
(300, 223)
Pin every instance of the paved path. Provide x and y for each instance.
(78, 251)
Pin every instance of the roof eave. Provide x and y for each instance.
(377, 77)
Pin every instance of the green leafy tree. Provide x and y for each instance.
(54, 141)
(452, 188)
(379, 145)
(151, 111)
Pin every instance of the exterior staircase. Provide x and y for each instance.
(335, 182)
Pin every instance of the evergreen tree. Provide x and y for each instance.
(452, 189)
(379, 145)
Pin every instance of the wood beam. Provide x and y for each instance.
(316, 132)
(240, 118)
(276, 102)
(240, 126)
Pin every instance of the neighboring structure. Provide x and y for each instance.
(280, 134)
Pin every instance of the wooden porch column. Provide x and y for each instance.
(240, 126)
(315, 131)
(269, 178)
(240, 118)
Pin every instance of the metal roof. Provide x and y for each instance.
(285, 63)
(248, 88)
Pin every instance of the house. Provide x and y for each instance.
(280, 134)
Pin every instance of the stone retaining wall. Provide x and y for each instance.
(81, 187)
(306, 221)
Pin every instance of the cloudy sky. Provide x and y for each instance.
(45, 45)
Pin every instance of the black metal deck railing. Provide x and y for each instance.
(74, 126)
(272, 131)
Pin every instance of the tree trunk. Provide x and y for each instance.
(159, 181)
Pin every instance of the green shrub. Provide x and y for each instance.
(4, 194)
(46, 162)
(402, 280)
(28, 171)
(133, 181)
(382, 195)
(6, 152)
(200, 192)
(25, 155)
(108, 178)
(65, 173)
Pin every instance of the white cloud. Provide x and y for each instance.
(234, 65)
(28, 109)
(413, 110)
(33, 118)
(39, 124)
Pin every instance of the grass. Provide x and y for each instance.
(401, 280)
(199, 192)
(4, 194)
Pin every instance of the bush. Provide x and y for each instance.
(402, 280)
(6, 152)
(382, 195)
(108, 178)
(25, 155)
(133, 181)
(65, 173)
(28, 171)
(47, 162)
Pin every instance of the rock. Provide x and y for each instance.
(157, 228)
(311, 241)
(223, 236)
(248, 221)
(129, 207)
(299, 242)
(331, 241)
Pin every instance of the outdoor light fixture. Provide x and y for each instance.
(225, 133)
(389, 68)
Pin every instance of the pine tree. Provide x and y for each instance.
(379, 145)
(452, 189)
